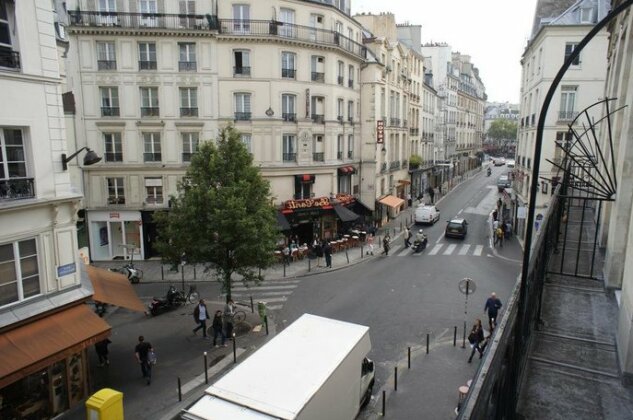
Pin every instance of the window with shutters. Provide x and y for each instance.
(242, 106)
(19, 271)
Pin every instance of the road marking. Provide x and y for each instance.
(277, 299)
(403, 252)
(464, 250)
(438, 240)
(478, 250)
(274, 307)
(460, 212)
(436, 249)
(282, 293)
(449, 250)
(258, 288)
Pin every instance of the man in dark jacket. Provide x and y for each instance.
(327, 251)
(493, 304)
(200, 315)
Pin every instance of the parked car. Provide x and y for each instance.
(499, 161)
(456, 228)
(510, 164)
(427, 214)
(503, 182)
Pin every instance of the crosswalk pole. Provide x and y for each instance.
(347, 256)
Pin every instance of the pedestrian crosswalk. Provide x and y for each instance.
(273, 292)
(446, 249)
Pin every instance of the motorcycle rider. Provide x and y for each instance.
(420, 240)
(489, 171)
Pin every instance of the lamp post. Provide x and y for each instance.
(90, 159)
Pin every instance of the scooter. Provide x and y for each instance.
(488, 172)
(173, 299)
(419, 245)
(134, 275)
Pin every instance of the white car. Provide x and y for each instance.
(427, 214)
(510, 164)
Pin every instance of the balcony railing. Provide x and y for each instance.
(186, 156)
(289, 116)
(339, 155)
(404, 164)
(106, 64)
(116, 200)
(350, 154)
(288, 73)
(187, 65)
(242, 116)
(289, 157)
(109, 111)
(150, 111)
(394, 122)
(318, 118)
(405, 123)
(414, 131)
(350, 119)
(318, 77)
(147, 65)
(318, 156)
(17, 188)
(188, 112)
(144, 20)
(113, 156)
(340, 80)
(395, 165)
(9, 58)
(566, 115)
(152, 157)
(383, 167)
(241, 71)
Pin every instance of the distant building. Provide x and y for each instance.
(500, 111)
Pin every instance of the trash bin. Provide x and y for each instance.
(105, 404)
(261, 309)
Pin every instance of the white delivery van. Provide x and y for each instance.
(426, 214)
(315, 369)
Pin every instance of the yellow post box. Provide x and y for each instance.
(105, 404)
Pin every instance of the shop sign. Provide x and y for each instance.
(345, 198)
(66, 269)
(114, 215)
(307, 203)
(380, 131)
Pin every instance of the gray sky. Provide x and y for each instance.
(493, 32)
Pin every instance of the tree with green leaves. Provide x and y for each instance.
(502, 129)
(223, 217)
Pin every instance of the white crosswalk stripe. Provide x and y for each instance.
(478, 250)
(449, 250)
(464, 250)
(403, 252)
(436, 249)
(259, 288)
(272, 292)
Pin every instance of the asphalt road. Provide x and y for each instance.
(404, 296)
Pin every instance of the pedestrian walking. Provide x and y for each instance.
(327, 252)
(475, 338)
(200, 316)
(229, 311)
(407, 237)
(217, 328)
(386, 244)
(493, 304)
(499, 203)
(102, 351)
(142, 352)
(499, 235)
(318, 250)
(431, 192)
(370, 244)
(494, 214)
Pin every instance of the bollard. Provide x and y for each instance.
(464, 337)
(362, 253)
(427, 343)
(409, 357)
(309, 264)
(234, 350)
(395, 378)
(347, 256)
(206, 373)
(179, 390)
(252, 307)
(384, 399)
(162, 272)
(266, 322)
(182, 276)
(455, 336)
(284, 268)
(194, 272)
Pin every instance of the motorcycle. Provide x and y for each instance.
(173, 299)
(488, 172)
(419, 245)
(134, 275)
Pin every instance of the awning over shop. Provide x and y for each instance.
(404, 182)
(114, 289)
(346, 170)
(34, 346)
(391, 201)
(345, 214)
(282, 222)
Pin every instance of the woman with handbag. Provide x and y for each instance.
(475, 338)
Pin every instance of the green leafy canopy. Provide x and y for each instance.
(502, 129)
(223, 217)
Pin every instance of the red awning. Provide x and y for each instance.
(347, 170)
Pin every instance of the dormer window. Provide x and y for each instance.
(586, 15)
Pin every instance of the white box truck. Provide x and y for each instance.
(315, 369)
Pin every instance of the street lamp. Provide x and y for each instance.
(90, 159)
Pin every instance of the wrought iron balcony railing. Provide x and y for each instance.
(318, 77)
(394, 165)
(565, 116)
(340, 80)
(350, 154)
(150, 111)
(144, 20)
(109, 111)
(340, 119)
(187, 65)
(242, 116)
(350, 83)
(152, 157)
(350, 119)
(289, 157)
(394, 122)
(339, 155)
(17, 188)
(186, 156)
(288, 73)
(383, 167)
(9, 58)
(116, 200)
(188, 112)
(106, 64)
(318, 118)
(241, 71)
(414, 131)
(113, 156)
(147, 65)
(289, 116)
(318, 156)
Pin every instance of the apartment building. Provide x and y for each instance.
(558, 28)
(154, 78)
(45, 327)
